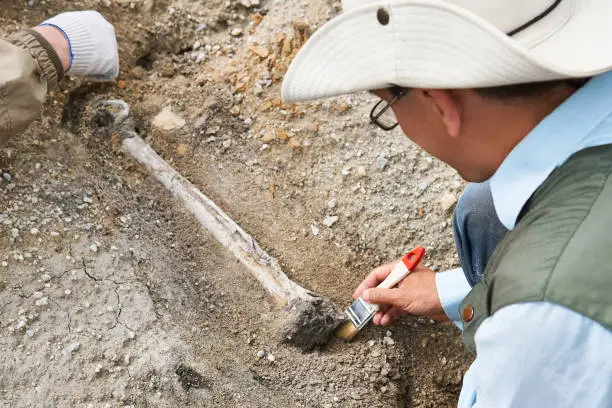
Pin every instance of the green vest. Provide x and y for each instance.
(560, 250)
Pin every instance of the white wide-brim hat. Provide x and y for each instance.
(451, 44)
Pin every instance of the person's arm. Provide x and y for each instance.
(29, 66)
(534, 355)
(34, 61)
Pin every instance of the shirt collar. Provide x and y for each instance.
(573, 126)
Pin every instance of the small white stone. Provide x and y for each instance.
(371, 343)
(54, 234)
(42, 302)
(447, 201)
(14, 232)
(45, 277)
(67, 292)
(93, 248)
(4, 263)
(315, 230)
(87, 200)
(388, 341)
(329, 221)
(34, 231)
(168, 120)
(236, 32)
(271, 358)
(261, 354)
(20, 325)
(72, 347)
(37, 295)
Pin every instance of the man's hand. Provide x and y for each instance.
(92, 45)
(416, 295)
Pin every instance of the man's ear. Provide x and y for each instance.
(447, 107)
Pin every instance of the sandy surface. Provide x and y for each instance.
(111, 295)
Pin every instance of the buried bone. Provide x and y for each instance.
(311, 320)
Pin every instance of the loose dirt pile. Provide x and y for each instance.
(111, 295)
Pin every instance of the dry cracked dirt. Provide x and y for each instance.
(111, 295)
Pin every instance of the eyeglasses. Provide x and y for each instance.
(382, 115)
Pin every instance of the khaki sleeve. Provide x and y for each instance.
(27, 70)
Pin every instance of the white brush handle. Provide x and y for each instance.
(399, 272)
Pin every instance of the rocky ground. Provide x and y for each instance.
(111, 295)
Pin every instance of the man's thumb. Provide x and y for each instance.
(379, 296)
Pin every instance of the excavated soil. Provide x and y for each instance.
(112, 296)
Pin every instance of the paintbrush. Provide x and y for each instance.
(361, 312)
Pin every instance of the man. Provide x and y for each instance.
(490, 88)
(34, 61)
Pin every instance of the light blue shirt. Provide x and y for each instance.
(540, 354)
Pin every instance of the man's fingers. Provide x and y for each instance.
(391, 315)
(374, 278)
(382, 296)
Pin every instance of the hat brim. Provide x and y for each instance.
(435, 44)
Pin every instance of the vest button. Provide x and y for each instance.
(468, 314)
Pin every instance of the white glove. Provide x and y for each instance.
(93, 45)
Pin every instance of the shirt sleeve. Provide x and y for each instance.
(534, 355)
(28, 68)
(452, 288)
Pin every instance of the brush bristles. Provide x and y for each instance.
(347, 331)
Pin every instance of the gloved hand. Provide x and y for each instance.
(93, 45)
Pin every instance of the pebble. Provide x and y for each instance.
(271, 358)
(382, 163)
(236, 32)
(443, 360)
(42, 301)
(54, 234)
(93, 248)
(167, 120)
(20, 325)
(87, 200)
(7, 177)
(34, 231)
(72, 347)
(388, 341)
(14, 232)
(329, 221)
(371, 343)
(45, 277)
(375, 353)
(331, 204)
(261, 354)
(37, 295)
(4, 263)
(315, 230)
(447, 201)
